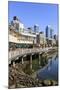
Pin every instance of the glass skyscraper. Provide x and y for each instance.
(49, 35)
(49, 32)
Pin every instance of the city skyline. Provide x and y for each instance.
(33, 15)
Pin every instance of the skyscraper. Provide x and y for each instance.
(36, 28)
(49, 32)
(49, 35)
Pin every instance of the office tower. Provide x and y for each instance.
(49, 32)
(49, 35)
(36, 28)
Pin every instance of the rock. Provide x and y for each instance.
(12, 87)
(25, 80)
(54, 82)
(40, 85)
(20, 86)
(47, 82)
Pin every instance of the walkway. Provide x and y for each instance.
(20, 52)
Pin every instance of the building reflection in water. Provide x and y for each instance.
(50, 63)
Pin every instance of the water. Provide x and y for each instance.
(50, 71)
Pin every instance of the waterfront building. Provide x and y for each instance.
(56, 39)
(49, 35)
(53, 42)
(19, 36)
(29, 29)
(17, 24)
(41, 40)
(21, 40)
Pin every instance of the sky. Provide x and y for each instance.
(34, 13)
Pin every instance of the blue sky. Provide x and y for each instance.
(34, 13)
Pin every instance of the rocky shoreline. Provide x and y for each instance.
(18, 79)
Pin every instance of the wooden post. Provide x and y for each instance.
(31, 61)
(39, 58)
(22, 61)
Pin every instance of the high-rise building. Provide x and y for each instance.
(49, 35)
(49, 32)
(36, 28)
(55, 37)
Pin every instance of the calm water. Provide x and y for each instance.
(50, 71)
